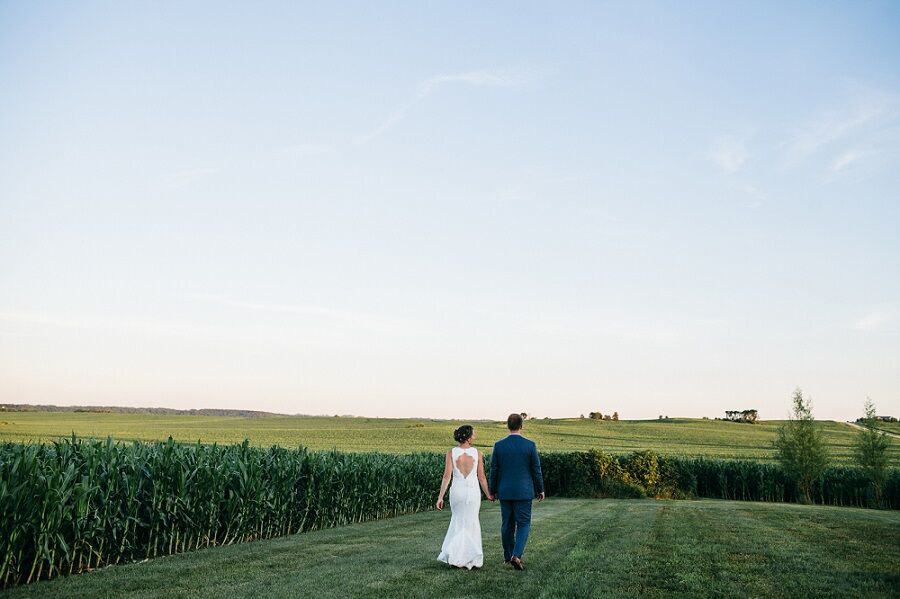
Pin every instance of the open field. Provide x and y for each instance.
(889, 427)
(578, 548)
(678, 436)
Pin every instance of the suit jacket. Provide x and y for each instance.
(515, 469)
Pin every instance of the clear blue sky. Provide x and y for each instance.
(453, 210)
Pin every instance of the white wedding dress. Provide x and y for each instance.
(462, 545)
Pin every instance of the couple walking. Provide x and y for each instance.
(515, 479)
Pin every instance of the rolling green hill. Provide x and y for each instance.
(680, 436)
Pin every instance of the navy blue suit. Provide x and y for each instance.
(515, 480)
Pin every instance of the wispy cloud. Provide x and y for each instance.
(477, 78)
(859, 121)
(87, 321)
(845, 160)
(358, 319)
(880, 319)
(729, 153)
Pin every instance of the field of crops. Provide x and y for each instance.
(693, 437)
(578, 549)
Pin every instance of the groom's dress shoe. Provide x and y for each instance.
(517, 563)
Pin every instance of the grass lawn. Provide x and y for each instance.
(679, 436)
(579, 548)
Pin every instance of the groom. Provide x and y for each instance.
(516, 479)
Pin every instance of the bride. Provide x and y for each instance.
(462, 545)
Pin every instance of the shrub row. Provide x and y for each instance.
(641, 474)
(80, 504)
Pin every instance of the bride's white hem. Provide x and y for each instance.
(476, 562)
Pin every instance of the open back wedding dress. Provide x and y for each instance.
(462, 545)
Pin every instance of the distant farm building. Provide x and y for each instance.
(741, 415)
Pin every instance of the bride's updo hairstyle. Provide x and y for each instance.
(463, 433)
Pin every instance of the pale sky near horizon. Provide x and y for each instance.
(458, 210)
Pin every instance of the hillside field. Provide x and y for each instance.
(578, 548)
(677, 436)
(889, 427)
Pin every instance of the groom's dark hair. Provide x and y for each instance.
(514, 422)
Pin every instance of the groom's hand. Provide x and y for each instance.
(540, 497)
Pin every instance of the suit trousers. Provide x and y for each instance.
(515, 524)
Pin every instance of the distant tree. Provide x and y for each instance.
(800, 446)
(660, 417)
(871, 451)
(582, 416)
(524, 415)
(607, 417)
(615, 416)
(596, 415)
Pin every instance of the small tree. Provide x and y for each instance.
(871, 451)
(800, 447)
(524, 415)
(616, 416)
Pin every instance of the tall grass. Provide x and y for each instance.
(79, 504)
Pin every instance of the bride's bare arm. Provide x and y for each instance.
(481, 478)
(445, 482)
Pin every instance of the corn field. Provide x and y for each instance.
(74, 505)
(80, 504)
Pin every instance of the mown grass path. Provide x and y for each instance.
(579, 548)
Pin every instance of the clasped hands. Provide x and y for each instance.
(440, 502)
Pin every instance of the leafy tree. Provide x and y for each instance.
(800, 446)
(615, 416)
(871, 451)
